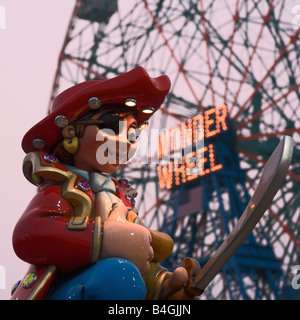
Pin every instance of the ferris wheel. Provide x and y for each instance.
(235, 66)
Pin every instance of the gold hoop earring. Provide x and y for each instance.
(71, 145)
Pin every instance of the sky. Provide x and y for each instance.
(31, 38)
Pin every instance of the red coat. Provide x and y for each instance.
(58, 227)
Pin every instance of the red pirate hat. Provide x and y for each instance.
(134, 88)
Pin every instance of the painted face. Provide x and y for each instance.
(107, 142)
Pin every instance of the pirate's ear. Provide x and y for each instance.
(68, 132)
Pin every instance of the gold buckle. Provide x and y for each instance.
(78, 223)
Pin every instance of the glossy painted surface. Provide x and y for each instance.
(41, 236)
(109, 279)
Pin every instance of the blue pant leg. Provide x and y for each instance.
(109, 279)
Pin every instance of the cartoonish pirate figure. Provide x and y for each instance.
(80, 233)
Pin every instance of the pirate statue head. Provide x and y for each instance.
(111, 111)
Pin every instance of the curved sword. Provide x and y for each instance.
(272, 177)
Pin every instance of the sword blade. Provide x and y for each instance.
(272, 177)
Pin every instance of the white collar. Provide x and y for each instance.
(97, 181)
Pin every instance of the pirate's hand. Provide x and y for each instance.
(179, 285)
(127, 240)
